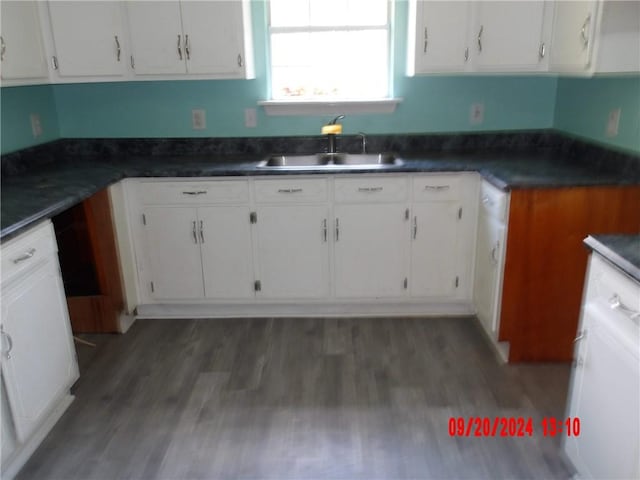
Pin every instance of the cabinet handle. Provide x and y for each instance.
(187, 47)
(583, 31)
(54, 62)
(118, 49)
(201, 231)
(194, 192)
(494, 252)
(580, 336)
(337, 229)
(426, 40)
(179, 48)
(370, 189)
(466, 54)
(436, 188)
(25, 256)
(3, 48)
(324, 230)
(616, 304)
(480, 38)
(289, 190)
(240, 62)
(415, 227)
(193, 231)
(9, 341)
(542, 51)
(486, 200)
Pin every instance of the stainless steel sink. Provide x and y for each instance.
(331, 160)
(366, 159)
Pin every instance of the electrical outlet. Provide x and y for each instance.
(250, 118)
(476, 113)
(613, 121)
(36, 125)
(198, 119)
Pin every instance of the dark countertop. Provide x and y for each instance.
(621, 250)
(51, 187)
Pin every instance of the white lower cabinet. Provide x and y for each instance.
(293, 251)
(605, 384)
(200, 252)
(371, 250)
(38, 356)
(225, 242)
(293, 241)
(489, 263)
(172, 248)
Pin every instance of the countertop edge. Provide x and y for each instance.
(613, 257)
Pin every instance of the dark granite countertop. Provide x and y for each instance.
(621, 250)
(77, 169)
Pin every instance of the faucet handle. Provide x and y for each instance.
(335, 120)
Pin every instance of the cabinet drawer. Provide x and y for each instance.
(291, 190)
(436, 188)
(26, 250)
(371, 189)
(607, 284)
(493, 201)
(163, 193)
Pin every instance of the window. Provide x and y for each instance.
(329, 50)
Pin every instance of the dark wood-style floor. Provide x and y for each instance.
(300, 399)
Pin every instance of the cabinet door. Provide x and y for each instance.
(157, 41)
(442, 36)
(172, 249)
(214, 37)
(88, 38)
(293, 253)
(371, 250)
(227, 260)
(573, 28)
(509, 35)
(488, 253)
(22, 49)
(605, 395)
(39, 361)
(434, 249)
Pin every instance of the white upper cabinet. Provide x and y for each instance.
(157, 40)
(489, 36)
(438, 39)
(21, 46)
(573, 27)
(214, 36)
(509, 35)
(88, 38)
(596, 37)
(195, 37)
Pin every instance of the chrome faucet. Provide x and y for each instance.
(364, 141)
(330, 130)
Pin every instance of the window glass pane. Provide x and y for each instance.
(367, 12)
(290, 49)
(289, 13)
(328, 12)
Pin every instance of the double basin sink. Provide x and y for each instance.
(332, 160)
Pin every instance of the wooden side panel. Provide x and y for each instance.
(99, 313)
(546, 263)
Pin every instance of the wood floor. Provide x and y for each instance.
(300, 399)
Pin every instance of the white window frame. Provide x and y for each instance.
(320, 106)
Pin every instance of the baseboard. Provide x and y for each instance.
(303, 310)
(125, 321)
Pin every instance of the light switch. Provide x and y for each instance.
(613, 121)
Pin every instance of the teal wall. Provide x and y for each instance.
(16, 106)
(583, 106)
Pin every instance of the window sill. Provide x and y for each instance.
(320, 107)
